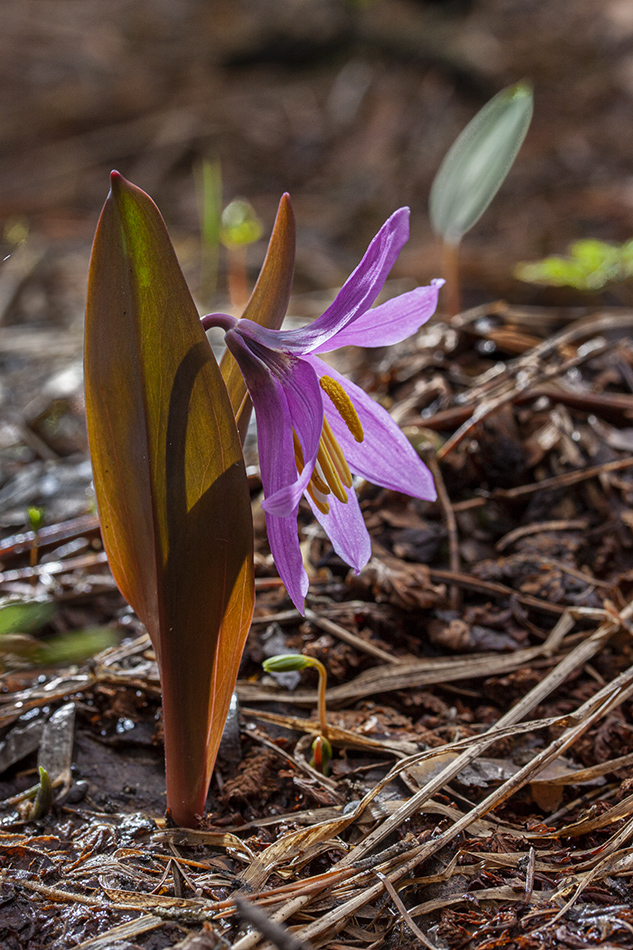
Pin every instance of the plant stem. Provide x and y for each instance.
(322, 685)
(450, 270)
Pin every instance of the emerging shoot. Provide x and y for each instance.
(472, 172)
(288, 662)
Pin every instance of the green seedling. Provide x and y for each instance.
(38, 799)
(472, 172)
(209, 188)
(591, 265)
(240, 227)
(36, 520)
(287, 662)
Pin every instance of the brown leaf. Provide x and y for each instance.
(170, 481)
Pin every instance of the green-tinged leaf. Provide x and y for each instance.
(591, 265)
(478, 162)
(170, 481)
(267, 304)
(75, 646)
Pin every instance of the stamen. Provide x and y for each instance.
(344, 406)
(298, 452)
(336, 454)
(329, 471)
(332, 473)
(319, 483)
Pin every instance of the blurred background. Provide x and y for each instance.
(349, 105)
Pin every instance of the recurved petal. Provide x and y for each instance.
(274, 410)
(357, 294)
(385, 457)
(390, 322)
(345, 527)
(284, 547)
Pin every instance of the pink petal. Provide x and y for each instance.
(391, 322)
(385, 457)
(345, 527)
(355, 297)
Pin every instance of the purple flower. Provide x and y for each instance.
(315, 428)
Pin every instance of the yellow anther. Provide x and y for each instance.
(344, 406)
(330, 473)
(319, 484)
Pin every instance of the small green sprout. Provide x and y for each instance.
(288, 662)
(240, 224)
(240, 227)
(321, 755)
(38, 800)
(36, 517)
(36, 520)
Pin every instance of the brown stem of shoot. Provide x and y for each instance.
(237, 277)
(322, 685)
(450, 270)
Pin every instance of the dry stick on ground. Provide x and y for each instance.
(342, 634)
(506, 388)
(556, 481)
(451, 527)
(411, 924)
(601, 704)
(539, 527)
(580, 655)
(269, 928)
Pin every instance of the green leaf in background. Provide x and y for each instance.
(170, 481)
(209, 188)
(590, 266)
(25, 617)
(74, 646)
(267, 304)
(476, 165)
